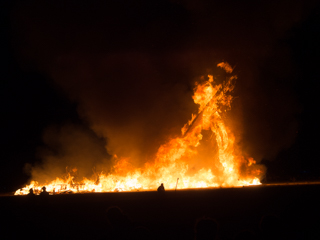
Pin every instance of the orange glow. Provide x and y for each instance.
(226, 67)
(203, 156)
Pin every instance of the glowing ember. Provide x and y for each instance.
(204, 156)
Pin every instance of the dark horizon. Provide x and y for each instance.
(169, 216)
(90, 74)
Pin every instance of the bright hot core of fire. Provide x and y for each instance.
(204, 155)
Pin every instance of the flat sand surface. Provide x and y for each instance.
(168, 216)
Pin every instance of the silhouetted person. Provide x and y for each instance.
(245, 235)
(121, 225)
(271, 227)
(161, 188)
(31, 192)
(206, 229)
(141, 233)
(44, 192)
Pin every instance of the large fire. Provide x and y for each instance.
(179, 163)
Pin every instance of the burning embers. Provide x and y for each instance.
(204, 156)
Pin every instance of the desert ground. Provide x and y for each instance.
(171, 215)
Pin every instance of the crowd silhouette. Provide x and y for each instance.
(205, 228)
(117, 225)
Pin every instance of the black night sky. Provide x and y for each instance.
(81, 77)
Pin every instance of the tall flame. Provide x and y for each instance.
(180, 158)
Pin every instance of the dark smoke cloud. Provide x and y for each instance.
(132, 67)
(67, 148)
(125, 100)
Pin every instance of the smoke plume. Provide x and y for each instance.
(132, 71)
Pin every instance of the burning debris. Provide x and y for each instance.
(205, 155)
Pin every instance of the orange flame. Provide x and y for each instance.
(180, 157)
